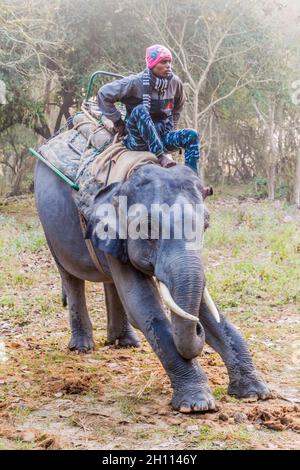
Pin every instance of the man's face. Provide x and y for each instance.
(163, 68)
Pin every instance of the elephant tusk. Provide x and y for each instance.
(169, 301)
(211, 306)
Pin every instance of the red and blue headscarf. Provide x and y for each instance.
(155, 54)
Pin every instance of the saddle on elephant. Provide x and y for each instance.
(87, 143)
(90, 156)
(77, 152)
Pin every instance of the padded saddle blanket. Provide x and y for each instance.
(92, 158)
(67, 150)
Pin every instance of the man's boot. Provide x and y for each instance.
(166, 161)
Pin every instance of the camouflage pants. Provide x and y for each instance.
(144, 134)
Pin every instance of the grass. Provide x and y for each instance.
(16, 444)
(127, 405)
(219, 392)
(229, 439)
(260, 257)
(20, 238)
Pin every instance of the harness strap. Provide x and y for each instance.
(91, 248)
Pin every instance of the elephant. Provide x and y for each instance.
(131, 270)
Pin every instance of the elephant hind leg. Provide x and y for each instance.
(73, 291)
(119, 330)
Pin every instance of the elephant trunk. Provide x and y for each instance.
(183, 296)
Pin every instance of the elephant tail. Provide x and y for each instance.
(64, 298)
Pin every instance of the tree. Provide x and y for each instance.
(14, 157)
(27, 46)
(216, 45)
(297, 181)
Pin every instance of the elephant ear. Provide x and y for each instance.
(104, 225)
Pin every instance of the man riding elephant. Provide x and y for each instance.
(162, 266)
(128, 266)
(154, 100)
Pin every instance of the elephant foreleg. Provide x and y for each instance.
(119, 330)
(143, 306)
(81, 326)
(228, 342)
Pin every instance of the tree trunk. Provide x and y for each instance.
(67, 97)
(16, 184)
(47, 92)
(297, 181)
(273, 154)
(271, 181)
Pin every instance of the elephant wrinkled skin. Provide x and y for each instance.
(132, 296)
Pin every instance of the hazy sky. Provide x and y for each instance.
(285, 14)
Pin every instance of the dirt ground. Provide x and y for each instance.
(113, 398)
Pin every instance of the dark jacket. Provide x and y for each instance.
(129, 91)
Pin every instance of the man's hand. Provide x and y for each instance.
(166, 161)
(119, 127)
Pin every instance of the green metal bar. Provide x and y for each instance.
(52, 167)
(99, 72)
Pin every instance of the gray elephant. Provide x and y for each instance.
(132, 296)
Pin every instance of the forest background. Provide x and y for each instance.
(239, 62)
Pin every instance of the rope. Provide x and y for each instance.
(91, 118)
(76, 126)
